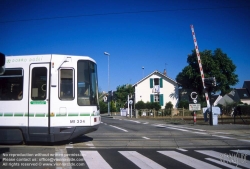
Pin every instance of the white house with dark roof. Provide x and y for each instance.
(237, 95)
(157, 87)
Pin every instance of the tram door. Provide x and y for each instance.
(39, 99)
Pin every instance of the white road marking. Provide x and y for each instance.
(242, 151)
(91, 145)
(62, 160)
(223, 137)
(200, 133)
(94, 160)
(221, 163)
(177, 129)
(192, 162)
(119, 128)
(133, 121)
(226, 157)
(221, 133)
(146, 138)
(70, 145)
(185, 127)
(140, 160)
(181, 149)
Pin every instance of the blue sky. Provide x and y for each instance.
(154, 34)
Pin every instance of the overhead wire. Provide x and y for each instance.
(121, 13)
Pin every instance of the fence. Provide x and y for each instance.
(174, 112)
(187, 116)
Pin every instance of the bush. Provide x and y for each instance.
(168, 108)
(183, 103)
(156, 106)
(140, 105)
(139, 112)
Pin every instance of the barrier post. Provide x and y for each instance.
(194, 117)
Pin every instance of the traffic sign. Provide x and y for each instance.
(194, 95)
(130, 101)
(194, 107)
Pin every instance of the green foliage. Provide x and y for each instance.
(112, 106)
(245, 109)
(140, 105)
(139, 112)
(168, 108)
(122, 93)
(183, 103)
(103, 107)
(215, 64)
(148, 105)
(227, 108)
(156, 106)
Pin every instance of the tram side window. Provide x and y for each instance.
(66, 84)
(39, 83)
(11, 84)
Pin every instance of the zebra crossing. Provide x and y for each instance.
(161, 159)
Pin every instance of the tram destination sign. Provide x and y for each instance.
(194, 107)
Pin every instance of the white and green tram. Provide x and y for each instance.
(48, 98)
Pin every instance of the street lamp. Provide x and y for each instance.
(106, 53)
(142, 72)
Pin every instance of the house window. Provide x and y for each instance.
(156, 82)
(157, 98)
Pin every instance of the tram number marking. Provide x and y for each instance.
(77, 121)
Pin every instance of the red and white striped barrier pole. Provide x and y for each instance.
(200, 65)
(194, 117)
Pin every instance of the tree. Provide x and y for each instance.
(112, 106)
(103, 107)
(122, 93)
(215, 64)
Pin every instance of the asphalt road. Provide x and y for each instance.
(122, 142)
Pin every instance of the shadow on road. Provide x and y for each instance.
(79, 139)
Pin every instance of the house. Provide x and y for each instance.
(243, 94)
(237, 95)
(157, 87)
(226, 99)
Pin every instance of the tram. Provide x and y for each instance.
(48, 98)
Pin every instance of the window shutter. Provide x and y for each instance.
(161, 100)
(151, 98)
(151, 82)
(161, 83)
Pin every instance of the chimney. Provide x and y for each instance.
(165, 72)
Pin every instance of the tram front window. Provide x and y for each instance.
(86, 83)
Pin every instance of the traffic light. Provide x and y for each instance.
(210, 82)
